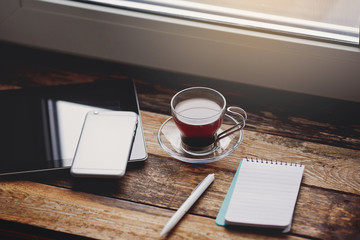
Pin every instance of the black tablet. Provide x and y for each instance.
(40, 127)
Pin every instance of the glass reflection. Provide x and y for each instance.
(65, 123)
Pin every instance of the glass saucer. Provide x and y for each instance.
(169, 139)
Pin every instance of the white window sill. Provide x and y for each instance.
(220, 52)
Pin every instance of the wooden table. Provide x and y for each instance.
(322, 134)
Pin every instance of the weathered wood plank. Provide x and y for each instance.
(101, 217)
(304, 117)
(326, 166)
(10, 230)
(280, 113)
(327, 214)
(319, 213)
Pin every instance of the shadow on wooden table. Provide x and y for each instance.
(100, 186)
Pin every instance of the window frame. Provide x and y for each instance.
(184, 46)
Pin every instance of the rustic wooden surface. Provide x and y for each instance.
(323, 134)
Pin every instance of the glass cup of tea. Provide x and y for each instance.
(198, 113)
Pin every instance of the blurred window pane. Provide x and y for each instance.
(330, 20)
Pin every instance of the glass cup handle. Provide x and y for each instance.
(237, 112)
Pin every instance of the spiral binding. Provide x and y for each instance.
(249, 159)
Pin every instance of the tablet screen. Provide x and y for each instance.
(40, 127)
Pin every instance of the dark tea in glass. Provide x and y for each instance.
(198, 120)
(198, 113)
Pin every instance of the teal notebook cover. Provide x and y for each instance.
(220, 219)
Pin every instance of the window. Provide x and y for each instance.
(329, 20)
(304, 46)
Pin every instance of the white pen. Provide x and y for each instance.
(196, 193)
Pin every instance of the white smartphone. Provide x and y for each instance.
(105, 144)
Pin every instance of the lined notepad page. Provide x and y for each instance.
(265, 194)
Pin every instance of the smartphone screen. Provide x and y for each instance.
(105, 144)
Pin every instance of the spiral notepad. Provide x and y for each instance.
(263, 194)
